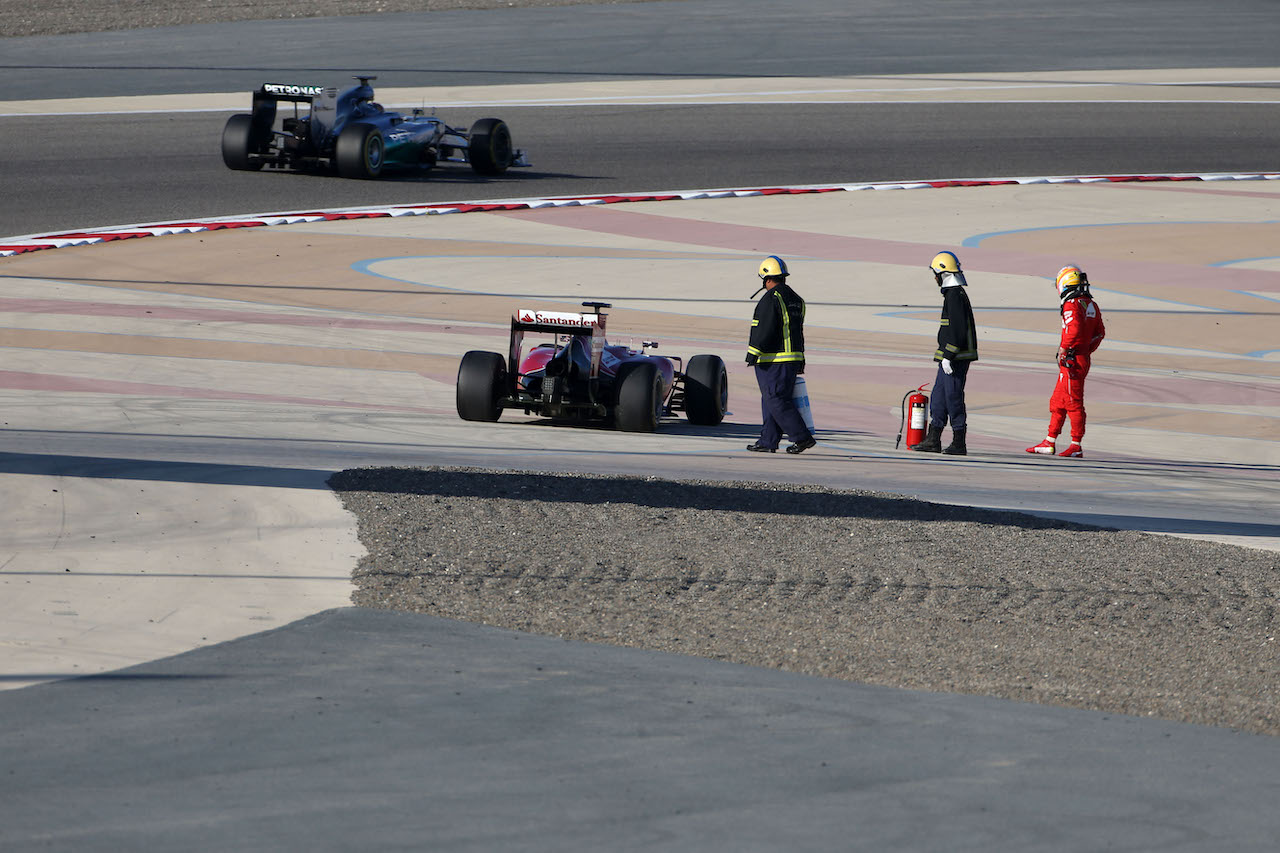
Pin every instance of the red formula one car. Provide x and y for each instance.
(580, 376)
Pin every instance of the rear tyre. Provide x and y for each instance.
(489, 151)
(706, 390)
(239, 142)
(359, 151)
(639, 397)
(480, 378)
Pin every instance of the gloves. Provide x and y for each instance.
(1068, 359)
(751, 358)
(946, 366)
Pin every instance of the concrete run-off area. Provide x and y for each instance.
(169, 433)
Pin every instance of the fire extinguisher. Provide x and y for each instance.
(915, 407)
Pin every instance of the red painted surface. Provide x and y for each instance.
(217, 315)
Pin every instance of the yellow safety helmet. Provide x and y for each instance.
(945, 262)
(1069, 277)
(773, 267)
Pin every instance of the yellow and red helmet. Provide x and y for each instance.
(1070, 277)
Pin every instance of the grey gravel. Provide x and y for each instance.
(868, 587)
(56, 17)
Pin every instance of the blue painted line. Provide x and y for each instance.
(365, 267)
(1244, 261)
(1197, 306)
(1053, 335)
(1101, 291)
(976, 239)
(1261, 296)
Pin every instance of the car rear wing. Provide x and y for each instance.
(297, 93)
(321, 99)
(560, 323)
(328, 106)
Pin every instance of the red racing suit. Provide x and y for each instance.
(1082, 333)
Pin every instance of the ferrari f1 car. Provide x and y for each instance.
(580, 376)
(352, 134)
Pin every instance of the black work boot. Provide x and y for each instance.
(802, 445)
(932, 441)
(956, 447)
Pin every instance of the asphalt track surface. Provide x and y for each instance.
(87, 171)
(586, 150)
(341, 731)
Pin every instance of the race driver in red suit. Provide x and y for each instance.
(1082, 333)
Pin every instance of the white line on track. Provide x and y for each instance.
(677, 101)
(1098, 87)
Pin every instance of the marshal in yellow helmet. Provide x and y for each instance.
(773, 267)
(945, 262)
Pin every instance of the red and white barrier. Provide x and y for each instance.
(57, 240)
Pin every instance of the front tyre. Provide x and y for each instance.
(239, 142)
(706, 390)
(480, 378)
(359, 151)
(489, 151)
(639, 397)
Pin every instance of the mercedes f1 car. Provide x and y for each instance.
(352, 134)
(580, 376)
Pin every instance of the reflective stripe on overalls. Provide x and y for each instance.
(787, 353)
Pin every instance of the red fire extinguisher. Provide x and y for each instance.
(915, 407)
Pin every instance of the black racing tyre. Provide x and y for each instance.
(490, 151)
(238, 143)
(706, 390)
(480, 378)
(639, 397)
(359, 151)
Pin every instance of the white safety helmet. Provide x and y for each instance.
(773, 267)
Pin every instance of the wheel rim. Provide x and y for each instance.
(373, 152)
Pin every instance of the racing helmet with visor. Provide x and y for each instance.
(1071, 281)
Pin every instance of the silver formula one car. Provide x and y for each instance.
(350, 133)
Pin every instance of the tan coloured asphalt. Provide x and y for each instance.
(1233, 85)
(349, 332)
